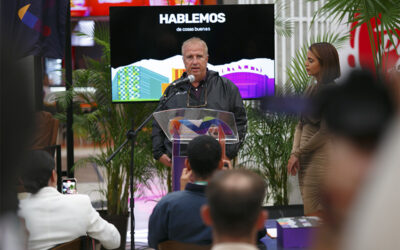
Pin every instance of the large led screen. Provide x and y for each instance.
(146, 47)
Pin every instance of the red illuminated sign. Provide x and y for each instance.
(362, 52)
(81, 8)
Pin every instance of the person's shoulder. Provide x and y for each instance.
(23, 207)
(168, 89)
(173, 196)
(53, 198)
(310, 89)
(78, 198)
(168, 201)
(45, 193)
(214, 76)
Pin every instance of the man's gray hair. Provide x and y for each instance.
(195, 40)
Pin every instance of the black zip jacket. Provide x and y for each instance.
(222, 94)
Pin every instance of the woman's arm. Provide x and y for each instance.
(296, 139)
(316, 141)
(293, 162)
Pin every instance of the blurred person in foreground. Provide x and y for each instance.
(357, 113)
(177, 215)
(53, 218)
(234, 209)
(373, 221)
(309, 154)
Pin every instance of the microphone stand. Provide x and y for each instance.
(131, 136)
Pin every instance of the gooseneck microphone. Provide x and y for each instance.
(180, 82)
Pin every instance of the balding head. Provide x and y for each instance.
(235, 200)
(194, 40)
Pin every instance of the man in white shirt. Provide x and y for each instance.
(234, 209)
(52, 218)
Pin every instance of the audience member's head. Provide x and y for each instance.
(359, 109)
(371, 222)
(357, 113)
(38, 171)
(204, 156)
(234, 207)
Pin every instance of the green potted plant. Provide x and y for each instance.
(106, 125)
(266, 150)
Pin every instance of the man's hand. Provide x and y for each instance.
(185, 178)
(164, 159)
(293, 165)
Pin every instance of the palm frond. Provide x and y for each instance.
(283, 26)
(367, 12)
(266, 150)
(106, 125)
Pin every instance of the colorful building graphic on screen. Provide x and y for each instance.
(250, 80)
(176, 74)
(136, 83)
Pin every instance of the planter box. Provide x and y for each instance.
(120, 222)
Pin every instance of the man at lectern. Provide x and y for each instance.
(208, 90)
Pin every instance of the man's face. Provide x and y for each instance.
(195, 60)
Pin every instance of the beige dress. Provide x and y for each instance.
(310, 145)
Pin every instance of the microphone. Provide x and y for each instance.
(180, 82)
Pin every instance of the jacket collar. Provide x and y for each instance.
(195, 187)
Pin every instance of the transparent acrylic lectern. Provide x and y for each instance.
(182, 125)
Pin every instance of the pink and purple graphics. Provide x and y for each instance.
(250, 80)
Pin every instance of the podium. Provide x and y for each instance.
(184, 124)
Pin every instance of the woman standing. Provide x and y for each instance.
(309, 152)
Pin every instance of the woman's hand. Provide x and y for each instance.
(293, 165)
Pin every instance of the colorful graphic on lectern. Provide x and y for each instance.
(147, 80)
